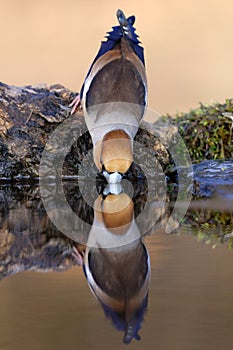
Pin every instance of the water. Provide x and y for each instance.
(190, 304)
(46, 302)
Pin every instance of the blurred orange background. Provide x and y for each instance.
(188, 45)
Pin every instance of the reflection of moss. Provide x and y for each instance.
(210, 226)
(207, 131)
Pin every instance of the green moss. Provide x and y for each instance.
(207, 131)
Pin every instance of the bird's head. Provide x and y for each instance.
(114, 153)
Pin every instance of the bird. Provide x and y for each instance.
(114, 97)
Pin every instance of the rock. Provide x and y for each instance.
(27, 116)
(30, 114)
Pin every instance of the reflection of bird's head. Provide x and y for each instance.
(117, 213)
(114, 152)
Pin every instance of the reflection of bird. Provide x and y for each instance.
(116, 264)
(117, 78)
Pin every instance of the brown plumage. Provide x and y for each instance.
(114, 96)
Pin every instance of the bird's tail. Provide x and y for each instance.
(125, 24)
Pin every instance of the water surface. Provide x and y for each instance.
(50, 306)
